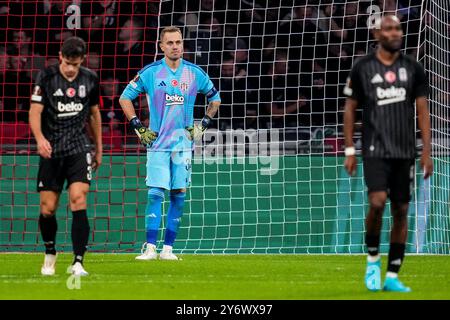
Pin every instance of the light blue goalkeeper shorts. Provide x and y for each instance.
(169, 170)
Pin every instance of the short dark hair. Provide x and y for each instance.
(73, 47)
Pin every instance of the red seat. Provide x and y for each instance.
(11, 132)
(112, 139)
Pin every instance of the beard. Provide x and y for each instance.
(392, 48)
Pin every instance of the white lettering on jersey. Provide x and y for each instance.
(174, 99)
(390, 95)
(69, 109)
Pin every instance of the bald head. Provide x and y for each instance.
(389, 19)
(389, 33)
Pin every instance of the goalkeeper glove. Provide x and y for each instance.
(197, 131)
(145, 135)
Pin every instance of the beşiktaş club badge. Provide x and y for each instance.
(184, 86)
(82, 91)
(402, 74)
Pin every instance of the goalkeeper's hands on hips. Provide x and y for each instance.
(196, 132)
(145, 135)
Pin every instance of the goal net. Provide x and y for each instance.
(433, 209)
(268, 177)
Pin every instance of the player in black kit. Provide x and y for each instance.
(65, 98)
(386, 84)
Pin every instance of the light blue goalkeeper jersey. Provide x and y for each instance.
(171, 97)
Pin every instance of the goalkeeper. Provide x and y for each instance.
(171, 85)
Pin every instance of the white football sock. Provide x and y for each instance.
(373, 258)
(390, 274)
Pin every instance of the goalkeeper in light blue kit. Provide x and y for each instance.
(171, 85)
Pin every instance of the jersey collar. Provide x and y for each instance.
(180, 67)
(400, 56)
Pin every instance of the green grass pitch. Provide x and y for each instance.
(229, 277)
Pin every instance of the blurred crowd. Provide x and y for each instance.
(276, 63)
(283, 64)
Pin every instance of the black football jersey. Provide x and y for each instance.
(66, 108)
(387, 95)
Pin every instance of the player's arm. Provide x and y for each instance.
(38, 100)
(212, 109)
(95, 122)
(421, 91)
(353, 91)
(198, 129)
(44, 148)
(349, 123)
(213, 96)
(423, 117)
(131, 92)
(128, 108)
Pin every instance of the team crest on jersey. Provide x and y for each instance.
(70, 92)
(403, 76)
(82, 91)
(184, 86)
(174, 83)
(390, 77)
(36, 96)
(37, 90)
(133, 82)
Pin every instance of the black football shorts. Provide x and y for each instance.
(54, 172)
(395, 176)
